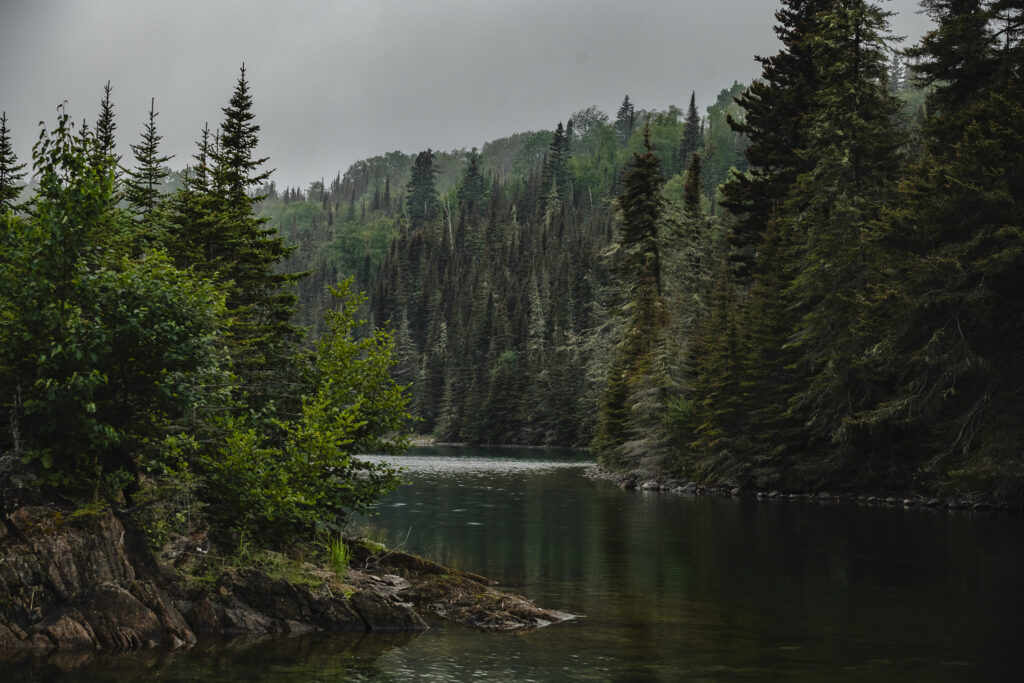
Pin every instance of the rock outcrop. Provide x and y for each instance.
(91, 584)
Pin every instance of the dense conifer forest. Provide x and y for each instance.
(815, 283)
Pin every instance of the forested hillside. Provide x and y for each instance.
(814, 284)
(343, 228)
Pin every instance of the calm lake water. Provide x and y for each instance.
(666, 587)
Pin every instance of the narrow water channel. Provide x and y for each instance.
(666, 587)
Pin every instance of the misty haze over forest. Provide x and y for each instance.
(340, 81)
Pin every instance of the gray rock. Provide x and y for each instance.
(119, 622)
(382, 613)
(204, 620)
(67, 630)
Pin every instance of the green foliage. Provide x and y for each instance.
(287, 478)
(99, 353)
(85, 513)
(693, 136)
(116, 357)
(337, 554)
(166, 503)
(631, 422)
(11, 172)
(679, 413)
(772, 109)
(866, 340)
(724, 144)
(211, 227)
(103, 154)
(142, 184)
(421, 196)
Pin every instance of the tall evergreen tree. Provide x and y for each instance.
(624, 120)
(949, 317)
(555, 177)
(237, 169)
(104, 154)
(142, 183)
(631, 426)
(11, 171)
(192, 233)
(955, 58)
(421, 197)
(472, 187)
(851, 154)
(217, 233)
(693, 134)
(774, 109)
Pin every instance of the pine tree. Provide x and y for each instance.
(716, 394)
(956, 59)
(142, 184)
(624, 121)
(421, 197)
(216, 232)
(11, 171)
(774, 106)
(850, 152)
(693, 134)
(236, 169)
(555, 176)
(192, 235)
(104, 155)
(473, 187)
(948, 318)
(630, 429)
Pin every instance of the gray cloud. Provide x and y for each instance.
(334, 82)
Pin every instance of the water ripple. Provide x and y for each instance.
(451, 466)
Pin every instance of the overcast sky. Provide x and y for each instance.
(336, 81)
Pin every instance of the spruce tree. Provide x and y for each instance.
(947, 319)
(851, 155)
(693, 134)
(956, 58)
(472, 187)
(624, 121)
(237, 169)
(216, 232)
(631, 427)
(774, 109)
(421, 197)
(555, 176)
(716, 393)
(142, 183)
(11, 171)
(104, 154)
(190, 235)
(261, 299)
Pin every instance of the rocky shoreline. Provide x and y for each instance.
(646, 481)
(90, 583)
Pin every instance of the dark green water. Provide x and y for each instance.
(667, 588)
